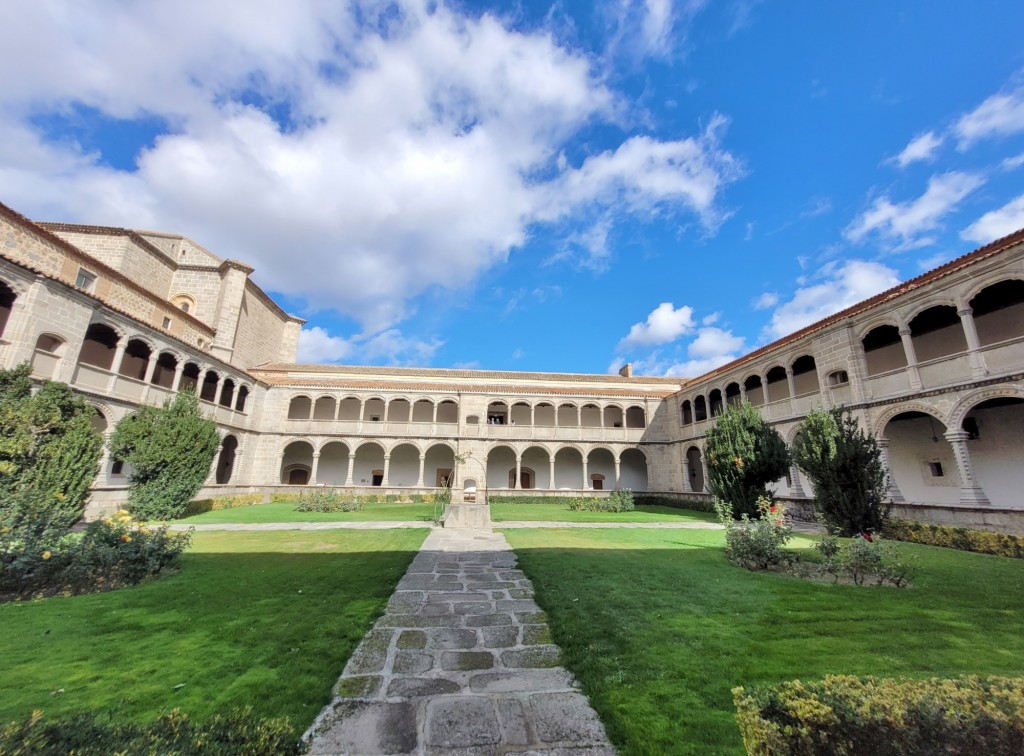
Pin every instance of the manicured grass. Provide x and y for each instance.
(284, 511)
(558, 510)
(658, 627)
(251, 619)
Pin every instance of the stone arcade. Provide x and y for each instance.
(933, 367)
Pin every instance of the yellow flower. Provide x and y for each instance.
(46, 555)
(126, 538)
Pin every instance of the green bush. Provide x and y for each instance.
(691, 503)
(170, 449)
(236, 733)
(883, 717)
(619, 500)
(980, 541)
(756, 544)
(198, 506)
(322, 500)
(744, 455)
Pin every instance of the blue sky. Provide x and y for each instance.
(530, 186)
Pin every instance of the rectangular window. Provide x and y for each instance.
(167, 322)
(85, 280)
(936, 468)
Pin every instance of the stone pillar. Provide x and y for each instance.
(743, 392)
(315, 469)
(151, 367)
(115, 366)
(791, 383)
(533, 416)
(220, 390)
(894, 491)
(434, 419)
(618, 473)
(386, 481)
(911, 355)
(551, 473)
(179, 371)
(349, 476)
(974, 355)
(970, 492)
(419, 479)
(519, 472)
(796, 490)
(586, 475)
(704, 470)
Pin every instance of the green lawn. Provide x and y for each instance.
(251, 619)
(284, 511)
(558, 510)
(658, 627)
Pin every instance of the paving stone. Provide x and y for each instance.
(412, 640)
(514, 605)
(434, 598)
(473, 607)
(414, 581)
(520, 593)
(447, 578)
(536, 635)
(521, 680)
(413, 687)
(450, 639)
(406, 602)
(371, 653)
(500, 636)
(531, 618)
(559, 717)
(485, 620)
(435, 610)
(512, 575)
(513, 722)
(582, 751)
(482, 577)
(412, 663)
(461, 722)
(466, 661)
(365, 727)
(535, 657)
(360, 686)
(497, 595)
(414, 620)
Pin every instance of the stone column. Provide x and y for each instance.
(618, 473)
(315, 469)
(519, 472)
(151, 367)
(551, 473)
(704, 470)
(791, 383)
(911, 355)
(743, 392)
(385, 482)
(220, 390)
(179, 371)
(419, 479)
(586, 475)
(974, 355)
(970, 492)
(796, 490)
(894, 491)
(349, 476)
(115, 366)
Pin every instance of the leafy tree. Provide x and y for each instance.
(170, 449)
(49, 454)
(744, 455)
(845, 467)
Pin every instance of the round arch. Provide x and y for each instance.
(967, 403)
(883, 418)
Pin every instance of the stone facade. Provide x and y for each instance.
(934, 368)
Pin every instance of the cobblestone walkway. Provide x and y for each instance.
(379, 525)
(461, 663)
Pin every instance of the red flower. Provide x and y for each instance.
(773, 509)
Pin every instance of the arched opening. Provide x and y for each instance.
(520, 414)
(189, 377)
(404, 467)
(936, 332)
(399, 411)
(497, 413)
(715, 402)
(297, 463)
(163, 373)
(448, 412)
(883, 350)
(590, 416)
(601, 468)
(499, 460)
(694, 469)
(999, 312)
(47, 355)
(423, 411)
(732, 394)
(568, 468)
(613, 417)
(324, 409)
(700, 409)
(537, 459)
(349, 409)
(568, 416)
(636, 417)
(7, 297)
(369, 465)
(754, 389)
(99, 421)
(778, 386)
(633, 468)
(373, 410)
(226, 459)
(528, 478)
(135, 360)
(922, 462)
(227, 393)
(208, 390)
(544, 415)
(243, 395)
(805, 375)
(299, 408)
(439, 466)
(99, 346)
(996, 428)
(332, 467)
(686, 412)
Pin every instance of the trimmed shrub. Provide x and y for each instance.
(883, 717)
(239, 733)
(620, 500)
(756, 544)
(691, 503)
(744, 455)
(980, 541)
(322, 500)
(198, 506)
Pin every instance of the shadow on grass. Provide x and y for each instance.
(659, 627)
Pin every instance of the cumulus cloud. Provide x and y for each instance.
(358, 155)
(838, 286)
(905, 225)
(390, 347)
(664, 324)
(766, 301)
(997, 223)
(921, 147)
(1002, 114)
(712, 348)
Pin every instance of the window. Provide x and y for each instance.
(167, 322)
(838, 378)
(184, 306)
(936, 469)
(85, 280)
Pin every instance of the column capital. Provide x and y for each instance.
(963, 312)
(905, 331)
(956, 435)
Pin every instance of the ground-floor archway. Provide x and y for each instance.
(297, 463)
(921, 460)
(693, 469)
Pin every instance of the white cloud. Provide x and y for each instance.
(921, 147)
(651, 28)
(766, 301)
(1012, 163)
(664, 324)
(841, 286)
(997, 223)
(407, 157)
(389, 347)
(317, 345)
(712, 348)
(905, 225)
(1001, 114)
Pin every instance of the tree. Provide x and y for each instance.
(170, 450)
(845, 467)
(49, 454)
(744, 455)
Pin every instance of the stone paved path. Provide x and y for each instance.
(378, 525)
(461, 663)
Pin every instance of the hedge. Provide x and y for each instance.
(980, 541)
(199, 506)
(883, 717)
(694, 504)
